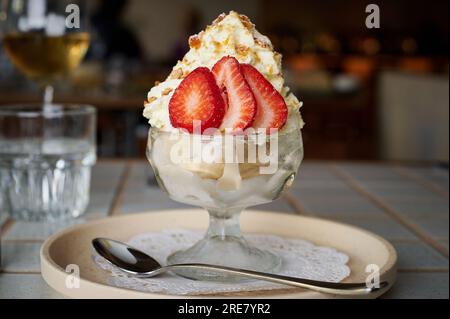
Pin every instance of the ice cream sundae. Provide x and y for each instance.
(225, 135)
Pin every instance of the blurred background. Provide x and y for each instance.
(369, 94)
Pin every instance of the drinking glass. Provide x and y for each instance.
(194, 169)
(45, 39)
(46, 157)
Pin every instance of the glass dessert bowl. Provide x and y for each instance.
(224, 173)
(229, 81)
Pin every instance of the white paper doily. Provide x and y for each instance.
(300, 258)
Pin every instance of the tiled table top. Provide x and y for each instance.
(406, 204)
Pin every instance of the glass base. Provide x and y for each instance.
(231, 251)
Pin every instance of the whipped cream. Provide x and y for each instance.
(235, 35)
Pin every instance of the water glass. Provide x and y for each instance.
(46, 155)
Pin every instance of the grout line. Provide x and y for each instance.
(421, 181)
(118, 194)
(294, 204)
(389, 211)
(6, 226)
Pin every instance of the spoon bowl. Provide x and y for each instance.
(127, 258)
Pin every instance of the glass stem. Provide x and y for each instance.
(223, 224)
(48, 97)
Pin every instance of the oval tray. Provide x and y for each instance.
(73, 246)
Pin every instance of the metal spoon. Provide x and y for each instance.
(135, 262)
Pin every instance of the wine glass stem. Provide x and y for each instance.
(48, 95)
(224, 224)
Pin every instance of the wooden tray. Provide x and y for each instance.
(73, 246)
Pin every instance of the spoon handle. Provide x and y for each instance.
(320, 286)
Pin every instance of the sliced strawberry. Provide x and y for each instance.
(197, 98)
(271, 110)
(239, 100)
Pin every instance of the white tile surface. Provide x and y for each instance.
(382, 225)
(437, 175)
(138, 204)
(37, 231)
(363, 171)
(416, 255)
(334, 182)
(99, 204)
(419, 207)
(20, 257)
(25, 286)
(106, 175)
(436, 228)
(416, 285)
(315, 171)
(397, 189)
(349, 206)
(322, 190)
(104, 183)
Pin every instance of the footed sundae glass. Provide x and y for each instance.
(224, 173)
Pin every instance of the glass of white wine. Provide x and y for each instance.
(45, 39)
